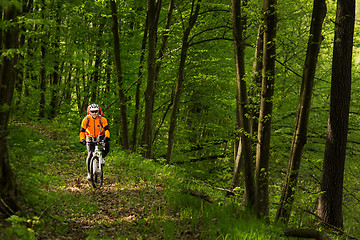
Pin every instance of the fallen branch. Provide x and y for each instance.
(229, 192)
(202, 195)
(338, 230)
(6, 209)
(306, 233)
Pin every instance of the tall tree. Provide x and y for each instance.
(242, 102)
(43, 68)
(124, 125)
(302, 120)
(161, 56)
(330, 202)
(138, 88)
(180, 79)
(266, 106)
(8, 73)
(152, 20)
(55, 76)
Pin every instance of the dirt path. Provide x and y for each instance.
(130, 204)
(114, 210)
(120, 208)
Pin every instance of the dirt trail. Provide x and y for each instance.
(126, 207)
(119, 205)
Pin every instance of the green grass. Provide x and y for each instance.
(141, 199)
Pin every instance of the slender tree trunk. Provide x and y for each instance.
(82, 101)
(124, 125)
(42, 70)
(153, 17)
(8, 73)
(255, 89)
(97, 65)
(26, 8)
(179, 81)
(238, 164)
(55, 75)
(42, 84)
(330, 203)
(165, 36)
(94, 90)
(299, 136)
(266, 105)
(138, 87)
(161, 55)
(68, 86)
(242, 102)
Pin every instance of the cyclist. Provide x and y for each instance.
(92, 126)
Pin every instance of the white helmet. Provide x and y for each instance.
(93, 107)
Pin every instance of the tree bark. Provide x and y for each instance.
(42, 70)
(153, 17)
(179, 81)
(330, 203)
(302, 120)
(161, 55)
(255, 88)
(124, 125)
(8, 73)
(138, 87)
(165, 36)
(55, 78)
(242, 102)
(266, 106)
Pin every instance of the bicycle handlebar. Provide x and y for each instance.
(97, 142)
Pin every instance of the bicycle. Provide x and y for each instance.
(96, 168)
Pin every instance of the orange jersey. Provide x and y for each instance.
(93, 127)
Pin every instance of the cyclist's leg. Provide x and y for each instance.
(105, 150)
(90, 148)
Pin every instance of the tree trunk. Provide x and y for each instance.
(242, 102)
(42, 70)
(330, 203)
(124, 125)
(26, 8)
(238, 164)
(255, 89)
(165, 36)
(138, 87)
(54, 103)
(266, 106)
(7, 82)
(161, 55)
(153, 17)
(96, 77)
(179, 81)
(299, 136)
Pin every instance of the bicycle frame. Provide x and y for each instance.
(94, 165)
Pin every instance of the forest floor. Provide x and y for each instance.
(129, 205)
(118, 206)
(139, 199)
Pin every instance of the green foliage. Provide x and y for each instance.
(55, 201)
(19, 229)
(76, 34)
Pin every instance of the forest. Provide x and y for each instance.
(233, 119)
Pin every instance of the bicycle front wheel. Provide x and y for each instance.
(96, 172)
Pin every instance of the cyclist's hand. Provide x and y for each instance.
(83, 142)
(106, 140)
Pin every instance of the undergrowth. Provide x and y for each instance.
(141, 199)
